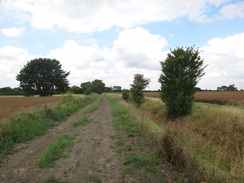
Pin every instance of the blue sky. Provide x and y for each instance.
(113, 40)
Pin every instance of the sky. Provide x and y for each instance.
(112, 40)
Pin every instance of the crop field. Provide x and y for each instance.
(216, 97)
(10, 105)
(205, 146)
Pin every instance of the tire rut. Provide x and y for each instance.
(90, 157)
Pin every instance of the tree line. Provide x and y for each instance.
(181, 71)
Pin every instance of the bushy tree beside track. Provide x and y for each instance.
(181, 71)
(43, 76)
(139, 84)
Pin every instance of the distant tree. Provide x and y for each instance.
(181, 71)
(43, 76)
(87, 91)
(76, 90)
(197, 89)
(117, 89)
(98, 86)
(227, 88)
(139, 84)
(108, 89)
(86, 85)
(125, 95)
(232, 88)
(222, 88)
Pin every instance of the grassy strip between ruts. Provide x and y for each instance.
(142, 156)
(55, 151)
(24, 126)
(95, 106)
(81, 121)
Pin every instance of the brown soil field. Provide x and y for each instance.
(216, 97)
(11, 105)
(221, 97)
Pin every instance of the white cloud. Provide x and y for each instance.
(99, 15)
(134, 51)
(13, 31)
(40, 45)
(12, 59)
(232, 11)
(225, 59)
(137, 48)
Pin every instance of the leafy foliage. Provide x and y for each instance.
(181, 71)
(96, 86)
(227, 88)
(139, 84)
(125, 95)
(43, 76)
(11, 91)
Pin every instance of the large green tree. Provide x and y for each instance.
(139, 84)
(43, 76)
(98, 86)
(181, 71)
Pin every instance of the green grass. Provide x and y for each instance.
(140, 159)
(55, 151)
(23, 127)
(94, 107)
(81, 121)
(94, 179)
(126, 170)
(53, 180)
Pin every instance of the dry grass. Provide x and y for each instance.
(11, 105)
(216, 97)
(211, 139)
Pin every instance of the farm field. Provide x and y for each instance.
(110, 140)
(10, 105)
(102, 145)
(218, 97)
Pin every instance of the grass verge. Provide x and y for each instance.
(142, 156)
(55, 151)
(208, 143)
(24, 126)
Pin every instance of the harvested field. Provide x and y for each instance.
(221, 97)
(216, 97)
(10, 105)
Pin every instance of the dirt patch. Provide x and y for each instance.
(90, 159)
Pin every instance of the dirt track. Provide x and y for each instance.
(89, 157)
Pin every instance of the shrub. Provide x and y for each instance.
(180, 73)
(126, 95)
(139, 84)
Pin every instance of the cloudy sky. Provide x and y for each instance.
(114, 39)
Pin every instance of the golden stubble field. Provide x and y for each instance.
(216, 97)
(11, 105)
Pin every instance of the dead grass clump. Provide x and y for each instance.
(173, 154)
